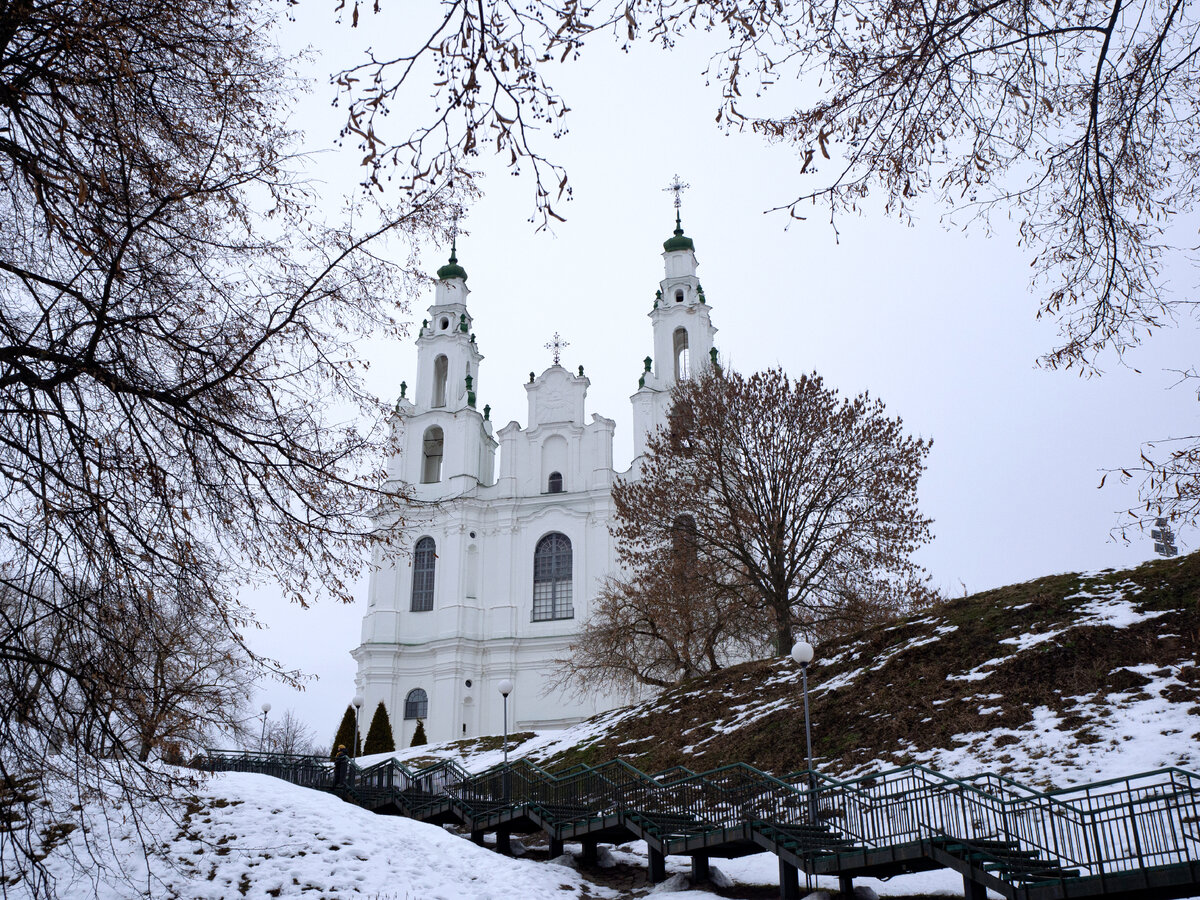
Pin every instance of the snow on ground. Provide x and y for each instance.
(763, 869)
(257, 837)
(542, 745)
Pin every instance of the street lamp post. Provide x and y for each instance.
(266, 708)
(358, 702)
(802, 653)
(506, 687)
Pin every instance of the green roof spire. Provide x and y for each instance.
(452, 269)
(680, 241)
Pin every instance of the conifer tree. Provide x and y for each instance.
(346, 737)
(379, 735)
(419, 739)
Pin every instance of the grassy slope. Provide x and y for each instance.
(898, 694)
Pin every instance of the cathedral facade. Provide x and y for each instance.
(500, 563)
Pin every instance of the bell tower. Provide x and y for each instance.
(447, 358)
(683, 333)
(446, 443)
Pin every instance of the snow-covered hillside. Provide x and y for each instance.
(256, 837)
(1059, 681)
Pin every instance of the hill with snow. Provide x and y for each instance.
(1062, 680)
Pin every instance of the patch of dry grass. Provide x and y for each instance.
(897, 690)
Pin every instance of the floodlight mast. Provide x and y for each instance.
(1164, 538)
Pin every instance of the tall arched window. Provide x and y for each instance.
(440, 370)
(424, 560)
(552, 578)
(431, 455)
(683, 367)
(680, 423)
(416, 704)
(555, 484)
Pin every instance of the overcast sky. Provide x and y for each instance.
(938, 323)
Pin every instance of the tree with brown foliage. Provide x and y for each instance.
(1080, 121)
(768, 508)
(176, 317)
(668, 619)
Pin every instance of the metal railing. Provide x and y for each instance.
(1142, 821)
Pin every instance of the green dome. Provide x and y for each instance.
(452, 269)
(679, 242)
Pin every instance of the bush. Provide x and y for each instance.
(346, 737)
(419, 738)
(379, 735)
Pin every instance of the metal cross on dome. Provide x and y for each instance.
(677, 187)
(557, 345)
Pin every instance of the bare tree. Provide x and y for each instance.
(1081, 121)
(768, 507)
(659, 625)
(176, 319)
(289, 734)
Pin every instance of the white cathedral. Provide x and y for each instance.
(499, 574)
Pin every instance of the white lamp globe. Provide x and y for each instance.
(802, 652)
(266, 708)
(358, 701)
(505, 686)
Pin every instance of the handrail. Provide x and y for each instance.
(1117, 824)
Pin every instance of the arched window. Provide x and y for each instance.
(431, 455)
(679, 295)
(683, 367)
(680, 422)
(441, 368)
(424, 560)
(416, 704)
(555, 484)
(552, 578)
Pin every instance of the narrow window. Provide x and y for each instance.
(682, 358)
(552, 578)
(431, 467)
(683, 540)
(679, 296)
(680, 422)
(555, 485)
(424, 561)
(440, 368)
(416, 704)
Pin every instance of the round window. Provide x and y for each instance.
(445, 323)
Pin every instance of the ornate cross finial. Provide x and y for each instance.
(677, 187)
(556, 346)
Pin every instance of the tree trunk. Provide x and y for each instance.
(783, 639)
